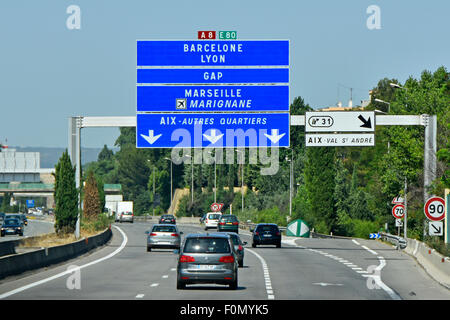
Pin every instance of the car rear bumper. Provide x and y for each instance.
(224, 276)
(266, 240)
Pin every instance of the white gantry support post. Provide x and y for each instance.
(75, 126)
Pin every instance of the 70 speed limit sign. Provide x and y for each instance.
(435, 209)
(398, 211)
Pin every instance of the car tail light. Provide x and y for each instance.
(240, 248)
(235, 223)
(174, 234)
(278, 233)
(186, 259)
(226, 259)
(228, 278)
(256, 233)
(222, 223)
(152, 234)
(184, 278)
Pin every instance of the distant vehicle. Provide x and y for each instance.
(266, 233)
(207, 258)
(11, 226)
(124, 211)
(16, 216)
(24, 219)
(228, 222)
(163, 236)
(212, 219)
(238, 246)
(167, 218)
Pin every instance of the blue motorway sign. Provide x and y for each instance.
(206, 76)
(213, 53)
(194, 98)
(30, 203)
(212, 130)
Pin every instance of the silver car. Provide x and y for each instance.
(163, 236)
(126, 216)
(207, 258)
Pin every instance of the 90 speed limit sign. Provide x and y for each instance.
(435, 209)
(398, 211)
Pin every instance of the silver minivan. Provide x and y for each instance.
(163, 236)
(207, 258)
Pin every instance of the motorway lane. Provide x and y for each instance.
(133, 273)
(34, 228)
(301, 269)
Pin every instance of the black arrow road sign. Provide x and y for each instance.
(436, 230)
(366, 123)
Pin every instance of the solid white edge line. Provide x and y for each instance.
(56, 276)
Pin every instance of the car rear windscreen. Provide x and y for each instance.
(206, 245)
(214, 216)
(270, 228)
(164, 229)
(228, 219)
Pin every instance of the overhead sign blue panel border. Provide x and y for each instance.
(212, 130)
(212, 52)
(194, 98)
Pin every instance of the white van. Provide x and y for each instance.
(212, 220)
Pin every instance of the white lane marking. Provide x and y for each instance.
(165, 276)
(154, 285)
(140, 296)
(267, 281)
(173, 269)
(354, 241)
(70, 271)
(371, 251)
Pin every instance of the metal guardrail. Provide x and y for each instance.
(399, 242)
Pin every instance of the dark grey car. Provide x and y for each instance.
(238, 247)
(207, 258)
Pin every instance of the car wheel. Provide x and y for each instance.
(206, 228)
(180, 285)
(149, 249)
(253, 245)
(234, 284)
(279, 245)
(241, 263)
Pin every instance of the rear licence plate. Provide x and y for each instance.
(267, 235)
(229, 223)
(205, 267)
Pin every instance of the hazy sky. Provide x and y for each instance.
(49, 72)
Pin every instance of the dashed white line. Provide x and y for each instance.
(140, 296)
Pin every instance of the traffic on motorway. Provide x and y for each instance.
(209, 257)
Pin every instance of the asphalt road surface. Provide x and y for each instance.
(302, 269)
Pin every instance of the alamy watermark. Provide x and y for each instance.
(74, 280)
(373, 22)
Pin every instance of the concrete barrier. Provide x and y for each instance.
(19, 263)
(435, 264)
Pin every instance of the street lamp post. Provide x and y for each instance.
(389, 111)
(171, 182)
(215, 177)
(291, 180)
(242, 180)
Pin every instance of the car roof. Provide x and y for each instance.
(208, 235)
(164, 225)
(267, 224)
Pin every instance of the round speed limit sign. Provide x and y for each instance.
(435, 209)
(398, 211)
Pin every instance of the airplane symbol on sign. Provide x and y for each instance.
(181, 104)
